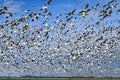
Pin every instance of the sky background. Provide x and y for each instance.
(17, 7)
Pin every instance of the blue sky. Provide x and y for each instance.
(57, 6)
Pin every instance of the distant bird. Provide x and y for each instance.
(106, 14)
(71, 25)
(49, 1)
(9, 14)
(26, 11)
(118, 10)
(44, 8)
(114, 6)
(46, 25)
(86, 6)
(68, 18)
(71, 12)
(84, 12)
(100, 38)
(95, 7)
(3, 8)
(58, 15)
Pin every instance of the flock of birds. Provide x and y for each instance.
(80, 43)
